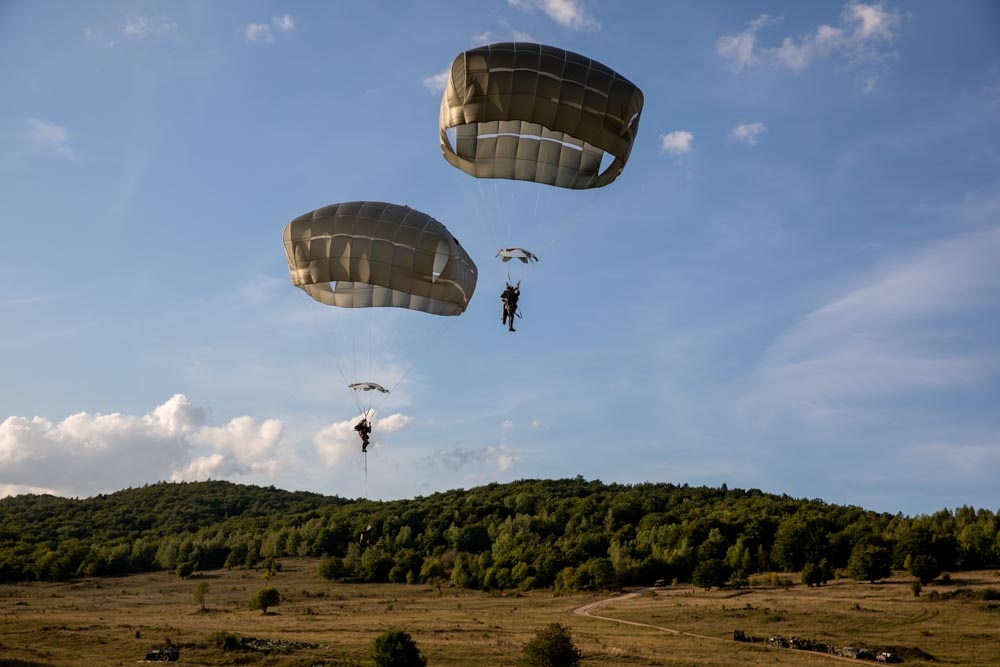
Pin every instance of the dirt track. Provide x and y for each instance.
(587, 610)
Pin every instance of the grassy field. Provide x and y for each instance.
(116, 621)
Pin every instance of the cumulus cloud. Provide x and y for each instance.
(860, 40)
(741, 48)
(493, 459)
(43, 137)
(435, 83)
(567, 13)
(677, 142)
(338, 444)
(748, 133)
(89, 453)
(258, 33)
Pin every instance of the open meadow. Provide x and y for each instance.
(116, 621)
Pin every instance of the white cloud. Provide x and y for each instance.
(677, 142)
(42, 137)
(506, 425)
(145, 26)
(283, 23)
(247, 441)
(89, 453)
(860, 40)
(748, 133)
(741, 47)
(338, 444)
(437, 82)
(908, 328)
(567, 13)
(259, 33)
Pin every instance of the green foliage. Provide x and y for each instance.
(551, 646)
(395, 648)
(869, 562)
(200, 589)
(226, 641)
(331, 568)
(923, 566)
(812, 575)
(265, 598)
(570, 534)
(711, 572)
(185, 569)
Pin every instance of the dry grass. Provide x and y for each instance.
(115, 621)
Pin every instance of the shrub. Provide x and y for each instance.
(551, 647)
(265, 598)
(227, 641)
(395, 648)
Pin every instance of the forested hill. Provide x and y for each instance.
(568, 533)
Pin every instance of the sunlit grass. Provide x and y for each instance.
(116, 621)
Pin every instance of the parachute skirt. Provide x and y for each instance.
(538, 113)
(374, 254)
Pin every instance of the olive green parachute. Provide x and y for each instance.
(372, 254)
(530, 112)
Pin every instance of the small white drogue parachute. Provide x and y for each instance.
(507, 254)
(368, 386)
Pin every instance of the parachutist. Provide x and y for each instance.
(364, 429)
(509, 297)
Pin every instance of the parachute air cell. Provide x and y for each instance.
(374, 254)
(530, 112)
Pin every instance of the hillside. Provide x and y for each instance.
(570, 534)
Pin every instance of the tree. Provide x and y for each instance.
(811, 574)
(331, 568)
(185, 569)
(395, 648)
(264, 598)
(711, 572)
(869, 562)
(199, 594)
(923, 566)
(551, 646)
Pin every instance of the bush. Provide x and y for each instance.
(227, 641)
(395, 648)
(551, 647)
(264, 598)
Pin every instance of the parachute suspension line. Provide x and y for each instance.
(326, 341)
(478, 204)
(571, 220)
(436, 331)
(565, 226)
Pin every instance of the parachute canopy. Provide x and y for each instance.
(538, 113)
(507, 254)
(368, 386)
(372, 254)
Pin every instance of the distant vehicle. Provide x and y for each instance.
(659, 583)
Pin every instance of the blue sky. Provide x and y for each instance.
(793, 286)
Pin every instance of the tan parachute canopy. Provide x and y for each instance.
(530, 112)
(372, 254)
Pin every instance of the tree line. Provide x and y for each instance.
(569, 534)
